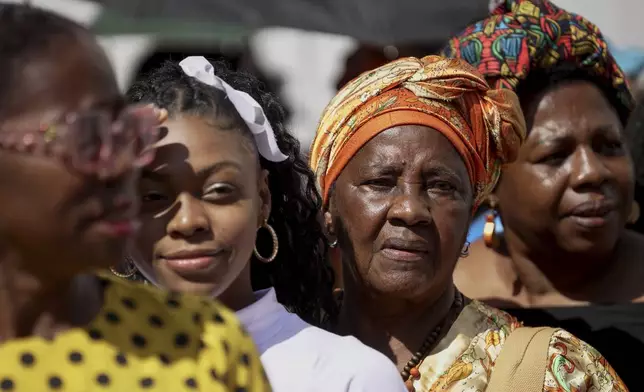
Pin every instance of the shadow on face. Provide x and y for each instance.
(52, 216)
(572, 184)
(203, 199)
(401, 209)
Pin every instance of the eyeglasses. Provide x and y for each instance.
(93, 142)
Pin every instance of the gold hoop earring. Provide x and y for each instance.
(490, 238)
(634, 216)
(275, 244)
(131, 269)
(466, 249)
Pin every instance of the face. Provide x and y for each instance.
(400, 210)
(572, 185)
(203, 199)
(58, 221)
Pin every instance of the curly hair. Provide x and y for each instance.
(26, 33)
(300, 274)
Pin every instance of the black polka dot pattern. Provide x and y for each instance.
(165, 359)
(129, 303)
(27, 359)
(55, 382)
(173, 303)
(6, 385)
(95, 334)
(181, 340)
(147, 382)
(155, 321)
(103, 379)
(75, 357)
(191, 383)
(138, 340)
(112, 318)
(121, 359)
(154, 342)
(173, 300)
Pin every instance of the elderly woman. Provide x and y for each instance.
(70, 154)
(566, 200)
(403, 155)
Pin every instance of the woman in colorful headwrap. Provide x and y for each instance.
(403, 155)
(566, 200)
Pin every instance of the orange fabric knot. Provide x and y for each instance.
(485, 126)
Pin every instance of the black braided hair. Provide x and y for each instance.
(300, 273)
(25, 34)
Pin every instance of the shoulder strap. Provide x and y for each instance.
(522, 363)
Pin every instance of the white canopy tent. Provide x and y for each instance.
(619, 20)
(124, 51)
(307, 62)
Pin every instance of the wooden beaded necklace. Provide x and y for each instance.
(410, 371)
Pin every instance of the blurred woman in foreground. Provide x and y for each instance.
(70, 152)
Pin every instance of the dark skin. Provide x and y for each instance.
(51, 215)
(564, 204)
(400, 211)
(205, 193)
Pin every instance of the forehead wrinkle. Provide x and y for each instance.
(552, 133)
(546, 133)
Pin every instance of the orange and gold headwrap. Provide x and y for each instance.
(485, 126)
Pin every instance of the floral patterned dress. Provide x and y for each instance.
(464, 359)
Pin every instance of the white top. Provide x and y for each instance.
(300, 357)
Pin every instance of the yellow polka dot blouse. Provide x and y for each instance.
(142, 340)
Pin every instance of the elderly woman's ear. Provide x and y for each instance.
(329, 228)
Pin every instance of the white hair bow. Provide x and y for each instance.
(249, 110)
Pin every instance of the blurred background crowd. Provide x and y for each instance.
(306, 50)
